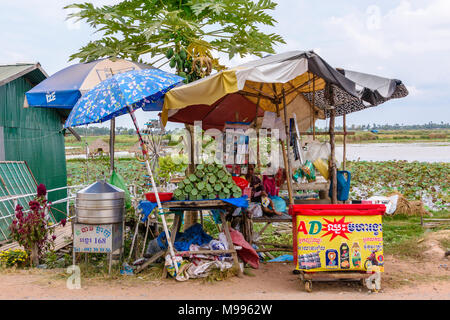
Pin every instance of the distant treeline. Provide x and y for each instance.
(427, 126)
(102, 131)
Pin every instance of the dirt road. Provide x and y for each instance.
(402, 280)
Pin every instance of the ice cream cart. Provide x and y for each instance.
(337, 242)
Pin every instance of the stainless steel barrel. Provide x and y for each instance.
(100, 203)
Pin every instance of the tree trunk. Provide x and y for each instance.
(34, 255)
(190, 217)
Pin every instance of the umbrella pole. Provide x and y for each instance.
(158, 201)
(112, 138)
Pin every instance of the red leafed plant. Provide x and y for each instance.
(30, 228)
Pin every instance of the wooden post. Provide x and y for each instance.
(112, 138)
(333, 158)
(344, 151)
(190, 217)
(288, 169)
(285, 160)
(226, 231)
(314, 108)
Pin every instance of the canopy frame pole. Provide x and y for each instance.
(333, 169)
(289, 171)
(260, 92)
(258, 162)
(285, 158)
(304, 84)
(264, 95)
(344, 156)
(155, 190)
(313, 108)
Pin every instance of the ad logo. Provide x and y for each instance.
(335, 228)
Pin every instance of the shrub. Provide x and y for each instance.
(13, 258)
(30, 228)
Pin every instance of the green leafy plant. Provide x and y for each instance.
(13, 258)
(30, 228)
(183, 33)
(415, 180)
(169, 166)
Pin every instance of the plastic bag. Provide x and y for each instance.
(278, 203)
(322, 167)
(269, 120)
(308, 171)
(316, 150)
(117, 181)
(240, 182)
(389, 202)
(255, 209)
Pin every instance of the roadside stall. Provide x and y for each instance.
(293, 89)
(338, 242)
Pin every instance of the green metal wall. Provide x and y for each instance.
(34, 135)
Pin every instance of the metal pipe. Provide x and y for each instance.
(150, 173)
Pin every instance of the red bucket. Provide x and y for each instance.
(163, 196)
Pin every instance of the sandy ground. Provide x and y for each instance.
(402, 280)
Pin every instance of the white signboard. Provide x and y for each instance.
(104, 238)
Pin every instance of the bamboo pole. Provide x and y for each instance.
(286, 164)
(314, 109)
(288, 170)
(333, 170)
(344, 156)
(333, 158)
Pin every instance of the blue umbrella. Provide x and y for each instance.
(63, 89)
(122, 93)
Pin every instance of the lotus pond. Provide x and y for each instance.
(424, 181)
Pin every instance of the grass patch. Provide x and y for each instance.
(402, 233)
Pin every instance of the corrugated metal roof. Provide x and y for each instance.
(33, 72)
(15, 179)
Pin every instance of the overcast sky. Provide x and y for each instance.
(407, 40)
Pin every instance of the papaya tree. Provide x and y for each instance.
(183, 33)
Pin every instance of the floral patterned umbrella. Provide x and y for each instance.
(124, 93)
(116, 95)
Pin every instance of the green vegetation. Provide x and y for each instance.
(209, 181)
(124, 142)
(183, 33)
(401, 234)
(393, 136)
(87, 172)
(415, 180)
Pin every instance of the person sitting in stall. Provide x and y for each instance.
(267, 206)
(258, 193)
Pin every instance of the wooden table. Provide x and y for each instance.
(193, 205)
